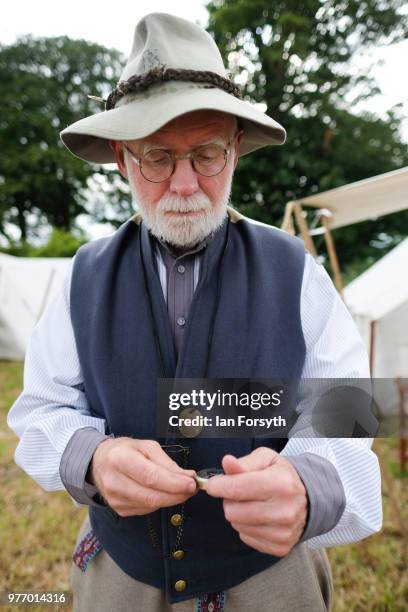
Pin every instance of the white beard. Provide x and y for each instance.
(183, 230)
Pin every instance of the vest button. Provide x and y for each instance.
(190, 431)
(181, 321)
(181, 269)
(176, 520)
(178, 554)
(180, 585)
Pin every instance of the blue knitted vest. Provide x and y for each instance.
(244, 322)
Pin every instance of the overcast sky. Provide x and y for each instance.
(108, 22)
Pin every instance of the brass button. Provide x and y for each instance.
(176, 520)
(186, 429)
(178, 554)
(180, 585)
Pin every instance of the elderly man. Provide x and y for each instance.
(188, 288)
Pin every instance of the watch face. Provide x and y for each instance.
(203, 476)
(208, 472)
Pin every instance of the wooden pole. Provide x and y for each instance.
(331, 249)
(294, 209)
(304, 228)
(402, 389)
(287, 223)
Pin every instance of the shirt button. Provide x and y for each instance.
(176, 520)
(181, 269)
(178, 554)
(181, 321)
(180, 585)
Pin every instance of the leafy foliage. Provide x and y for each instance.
(296, 58)
(43, 87)
(59, 244)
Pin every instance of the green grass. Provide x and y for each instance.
(38, 531)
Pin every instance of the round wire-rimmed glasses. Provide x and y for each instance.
(157, 165)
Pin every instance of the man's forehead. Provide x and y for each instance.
(188, 128)
(197, 120)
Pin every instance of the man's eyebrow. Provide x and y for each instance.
(150, 145)
(215, 140)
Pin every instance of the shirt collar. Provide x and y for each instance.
(175, 252)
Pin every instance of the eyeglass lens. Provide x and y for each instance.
(158, 165)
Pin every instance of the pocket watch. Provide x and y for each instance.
(203, 476)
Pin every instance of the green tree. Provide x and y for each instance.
(43, 87)
(60, 244)
(295, 57)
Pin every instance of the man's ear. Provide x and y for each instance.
(118, 151)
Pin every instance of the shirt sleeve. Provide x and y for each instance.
(53, 405)
(75, 462)
(341, 475)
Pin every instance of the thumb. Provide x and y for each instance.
(231, 465)
(259, 459)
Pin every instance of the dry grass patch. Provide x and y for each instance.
(38, 531)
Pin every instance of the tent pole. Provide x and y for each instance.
(287, 223)
(331, 249)
(402, 389)
(304, 228)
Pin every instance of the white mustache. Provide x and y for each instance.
(194, 203)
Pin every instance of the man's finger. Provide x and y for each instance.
(231, 465)
(258, 459)
(154, 476)
(132, 495)
(158, 455)
(171, 465)
(246, 486)
(262, 546)
(251, 512)
(269, 534)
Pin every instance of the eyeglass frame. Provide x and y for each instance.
(174, 158)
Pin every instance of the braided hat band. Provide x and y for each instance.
(161, 74)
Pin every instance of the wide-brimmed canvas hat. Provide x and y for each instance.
(174, 68)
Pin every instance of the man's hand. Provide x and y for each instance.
(138, 477)
(264, 500)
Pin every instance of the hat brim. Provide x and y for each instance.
(141, 114)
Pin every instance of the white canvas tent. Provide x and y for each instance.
(378, 301)
(368, 199)
(27, 285)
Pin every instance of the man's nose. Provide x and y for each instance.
(184, 181)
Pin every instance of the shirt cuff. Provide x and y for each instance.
(325, 492)
(74, 465)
